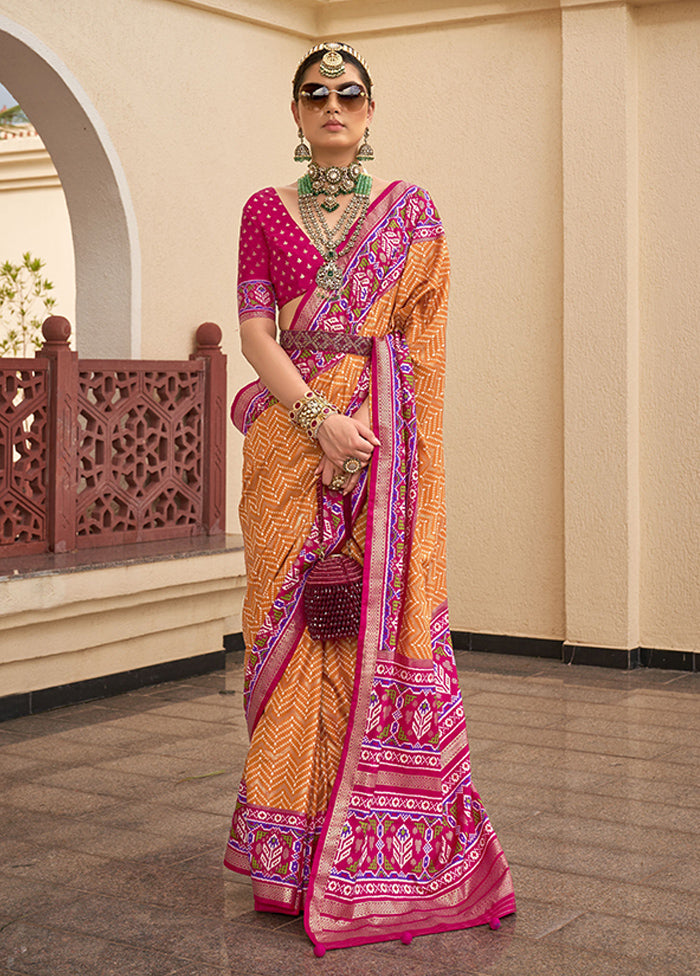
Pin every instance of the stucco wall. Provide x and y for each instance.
(34, 216)
(560, 144)
(669, 141)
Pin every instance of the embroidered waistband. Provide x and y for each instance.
(325, 342)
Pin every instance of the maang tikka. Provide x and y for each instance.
(365, 153)
(302, 153)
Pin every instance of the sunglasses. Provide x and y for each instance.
(315, 97)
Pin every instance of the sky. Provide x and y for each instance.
(5, 98)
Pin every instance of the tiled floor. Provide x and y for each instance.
(115, 815)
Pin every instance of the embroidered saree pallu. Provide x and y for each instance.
(356, 803)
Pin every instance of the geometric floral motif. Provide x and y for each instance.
(23, 412)
(140, 452)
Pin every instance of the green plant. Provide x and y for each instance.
(10, 117)
(25, 301)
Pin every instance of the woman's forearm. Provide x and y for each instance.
(271, 362)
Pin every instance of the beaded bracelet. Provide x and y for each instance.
(310, 412)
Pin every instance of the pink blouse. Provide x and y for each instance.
(276, 260)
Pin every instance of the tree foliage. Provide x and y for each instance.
(25, 301)
(12, 116)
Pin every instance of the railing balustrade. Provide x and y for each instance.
(108, 452)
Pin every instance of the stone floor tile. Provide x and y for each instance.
(564, 757)
(610, 836)
(608, 745)
(20, 896)
(203, 863)
(30, 861)
(213, 794)
(628, 731)
(88, 838)
(677, 877)
(527, 718)
(148, 720)
(63, 753)
(160, 818)
(653, 770)
(216, 750)
(678, 794)
(586, 860)
(498, 772)
(536, 919)
(109, 782)
(574, 892)
(672, 948)
(666, 701)
(183, 934)
(53, 800)
(42, 951)
(651, 904)
(525, 957)
(171, 769)
(221, 714)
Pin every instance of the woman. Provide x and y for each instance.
(355, 805)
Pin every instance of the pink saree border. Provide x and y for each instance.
(370, 631)
(466, 885)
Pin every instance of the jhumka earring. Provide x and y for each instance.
(302, 153)
(365, 153)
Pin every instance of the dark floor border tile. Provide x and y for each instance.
(603, 657)
(234, 644)
(29, 703)
(500, 644)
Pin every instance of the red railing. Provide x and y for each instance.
(106, 452)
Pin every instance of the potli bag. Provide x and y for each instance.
(332, 597)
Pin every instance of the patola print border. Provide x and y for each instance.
(463, 883)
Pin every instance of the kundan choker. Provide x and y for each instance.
(332, 181)
(325, 239)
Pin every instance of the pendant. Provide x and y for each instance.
(329, 276)
(330, 204)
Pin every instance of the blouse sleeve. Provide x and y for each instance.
(256, 295)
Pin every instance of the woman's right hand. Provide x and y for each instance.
(341, 437)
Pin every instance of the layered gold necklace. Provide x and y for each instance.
(325, 239)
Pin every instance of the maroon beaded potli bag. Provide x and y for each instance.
(332, 598)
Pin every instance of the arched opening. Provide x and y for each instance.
(105, 240)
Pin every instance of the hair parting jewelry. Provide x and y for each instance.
(310, 411)
(332, 64)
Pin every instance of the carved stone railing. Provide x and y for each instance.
(106, 452)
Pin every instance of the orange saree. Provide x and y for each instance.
(356, 804)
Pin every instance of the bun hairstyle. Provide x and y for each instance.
(320, 53)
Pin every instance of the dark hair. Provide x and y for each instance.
(317, 56)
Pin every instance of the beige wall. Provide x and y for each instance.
(669, 167)
(560, 143)
(34, 216)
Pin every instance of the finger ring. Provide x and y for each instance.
(337, 482)
(352, 465)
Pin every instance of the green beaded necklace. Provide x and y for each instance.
(325, 240)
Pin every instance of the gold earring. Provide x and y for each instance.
(302, 153)
(365, 153)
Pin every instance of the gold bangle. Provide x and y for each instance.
(310, 411)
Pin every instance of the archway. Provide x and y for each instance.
(105, 239)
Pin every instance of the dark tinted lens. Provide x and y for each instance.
(315, 95)
(352, 96)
